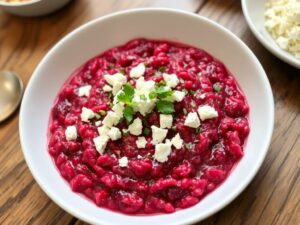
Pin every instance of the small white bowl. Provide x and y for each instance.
(254, 14)
(33, 7)
(116, 29)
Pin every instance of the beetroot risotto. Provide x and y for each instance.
(148, 127)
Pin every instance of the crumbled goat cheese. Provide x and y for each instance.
(136, 127)
(162, 152)
(123, 162)
(137, 71)
(192, 120)
(282, 21)
(86, 114)
(111, 119)
(171, 80)
(158, 134)
(177, 141)
(84, 91)
(107, 88)
(207, 112)
(71, 133)
(116, 81)
(100, 143)
(141, 142)
(103, 130)
(165, 121)
(114, 133)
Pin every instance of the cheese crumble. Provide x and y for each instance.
(282, 21)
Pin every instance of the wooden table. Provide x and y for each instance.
(273, 197)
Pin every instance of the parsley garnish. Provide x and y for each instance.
(127, 94)
(122, 71)
(126, 97)
(102, 112)
(163, 91)
(217, 87)
(165, 107)
(146, 131)
(145, 122)
(198, 130)
(192, 92)
(152, 95)
(128, 113)
(162, 69)
(97, 116)
(174, 128)
(143, 97)
(109, 151)
(188, 146)
(162, 83)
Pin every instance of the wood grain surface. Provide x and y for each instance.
(273, 197)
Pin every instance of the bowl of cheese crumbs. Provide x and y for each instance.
(32, 7)
(276, 24)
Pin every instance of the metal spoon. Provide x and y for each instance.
(11, 91)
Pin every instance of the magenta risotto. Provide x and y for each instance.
(148, 127)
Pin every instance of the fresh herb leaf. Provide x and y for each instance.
(174, 128)
(217, 87)
(163, 91)
(102, 112)
(162, 83)
(198, 130)
(192, 92)
(145, 122)
(162, 69)
(97, 116)
(143, 97)
(128, 113)
(109, 151)
(146, 131)
(111, 105)
(127, 94)
(188, 146)
(165, 107)
(122, 71)
(152, 95)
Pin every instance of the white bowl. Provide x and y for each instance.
(254, 14)
(33, 7)
(113, 30)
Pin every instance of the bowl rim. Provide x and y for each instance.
(277, 51)
(16, 4)
(81, 28)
